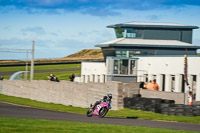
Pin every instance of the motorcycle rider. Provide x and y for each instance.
(109, 100)
(105, 98)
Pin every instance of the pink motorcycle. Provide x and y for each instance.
(100, 108)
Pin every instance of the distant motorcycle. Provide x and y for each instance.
(100, 108)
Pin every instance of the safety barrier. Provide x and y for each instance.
(162, 106)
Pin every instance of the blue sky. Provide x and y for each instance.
(63, 27)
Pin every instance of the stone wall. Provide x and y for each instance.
(66, 93)
(79, 94)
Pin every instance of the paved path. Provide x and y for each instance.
(42, 71)
(10, 110)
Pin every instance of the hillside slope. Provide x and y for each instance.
(87, 53)
(83, 55)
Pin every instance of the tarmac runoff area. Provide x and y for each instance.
(13, 110)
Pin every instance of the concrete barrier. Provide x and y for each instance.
(176, 96)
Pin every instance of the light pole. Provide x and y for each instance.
(32, 61)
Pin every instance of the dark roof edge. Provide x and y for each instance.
(139, 45)
(138, 56)
(152, 26)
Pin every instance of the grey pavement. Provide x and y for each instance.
(11, 110)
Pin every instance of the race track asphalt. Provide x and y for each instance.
(12, 110)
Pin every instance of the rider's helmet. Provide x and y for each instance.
(105, 98)
(110, 96)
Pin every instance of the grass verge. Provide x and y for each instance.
(64, 75)
(19, 125)
(40, 67)
(61, 75)
(124, 113)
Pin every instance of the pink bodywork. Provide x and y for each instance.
(101, 105)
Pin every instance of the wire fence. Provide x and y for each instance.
(14, 54)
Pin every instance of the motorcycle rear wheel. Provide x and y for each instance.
(103, 112)
(89, 113)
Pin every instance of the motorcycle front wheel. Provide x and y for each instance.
(103, 112)
(89, 113)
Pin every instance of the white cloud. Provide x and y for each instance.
(35, 30)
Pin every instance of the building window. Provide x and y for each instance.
(122, 66)
(122, 53)
(132, 53)
(128, 33)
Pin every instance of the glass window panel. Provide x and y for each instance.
(124, 33)
(138, 33)
(134, 35)
(123, 52)
(137, 52)
(131, 54)
(127, 53)
(132, 67)
(118, 52)
(124, 67)
(151, 52)
(145, 53)
(118, 32)
(118, 55)
(129, 30)
(124, 55)
(116, 67)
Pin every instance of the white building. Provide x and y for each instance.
(147, 51)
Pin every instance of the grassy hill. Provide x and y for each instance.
(87, 53)
(83, 55)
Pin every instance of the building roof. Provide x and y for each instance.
(153, 25)
(132, 42)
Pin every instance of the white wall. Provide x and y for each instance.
(149, 65)
(90, 68)
(168, 65)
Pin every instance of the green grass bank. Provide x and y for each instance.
(19, 125)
